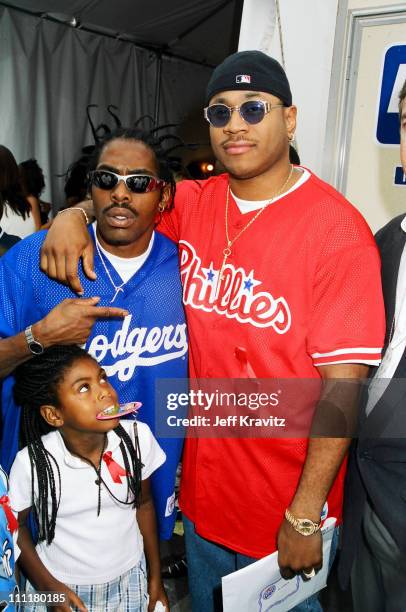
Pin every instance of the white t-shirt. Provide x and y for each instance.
(126, 267)
(247, 206)
(88, 549)
(13, 224)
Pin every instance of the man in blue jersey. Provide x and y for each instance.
(135, 326)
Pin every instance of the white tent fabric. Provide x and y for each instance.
(50, 72)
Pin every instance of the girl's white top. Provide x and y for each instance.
(88, 549)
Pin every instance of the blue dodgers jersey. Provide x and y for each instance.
(8, 586)
(149, 344)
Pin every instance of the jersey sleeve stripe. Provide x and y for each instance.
(366, 356)
(349, 351)
(369, 362)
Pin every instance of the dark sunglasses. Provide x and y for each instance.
(252, 111)
(137, 183)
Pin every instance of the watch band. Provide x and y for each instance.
(304, 526)
(35, 347)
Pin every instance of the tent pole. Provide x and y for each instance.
(157, 87)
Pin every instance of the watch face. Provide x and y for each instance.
(306, 527)
(36, 348)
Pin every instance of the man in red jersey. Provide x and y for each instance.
(281, 280)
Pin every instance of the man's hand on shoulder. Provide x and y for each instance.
(66, 242)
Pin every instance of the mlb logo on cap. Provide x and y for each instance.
(243, 78)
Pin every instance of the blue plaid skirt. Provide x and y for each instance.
(127, 593)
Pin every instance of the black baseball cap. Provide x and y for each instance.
(252, 71)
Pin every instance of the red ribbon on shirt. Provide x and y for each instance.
(241, 354)
(116, 471)
(11, 519)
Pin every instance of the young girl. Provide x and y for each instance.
(83, 479)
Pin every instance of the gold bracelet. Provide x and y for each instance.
(75, 208)
(304, 526)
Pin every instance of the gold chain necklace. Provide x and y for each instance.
(227, 250)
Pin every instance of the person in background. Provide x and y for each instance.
(76, 183)
(374, 534)
(16, 216)
(32, 178)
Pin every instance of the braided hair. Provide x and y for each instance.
(163, 161)
(36, 385)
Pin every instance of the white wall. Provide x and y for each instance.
(308, 39)
(366, 4)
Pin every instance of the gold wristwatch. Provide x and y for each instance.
(304, 526)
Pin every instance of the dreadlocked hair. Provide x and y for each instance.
(36, 385)
(163, 161)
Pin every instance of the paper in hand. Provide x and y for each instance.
(260, 587)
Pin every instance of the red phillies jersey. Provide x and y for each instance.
(300, 289)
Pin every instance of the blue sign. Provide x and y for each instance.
(393, 77)
(400, 176)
